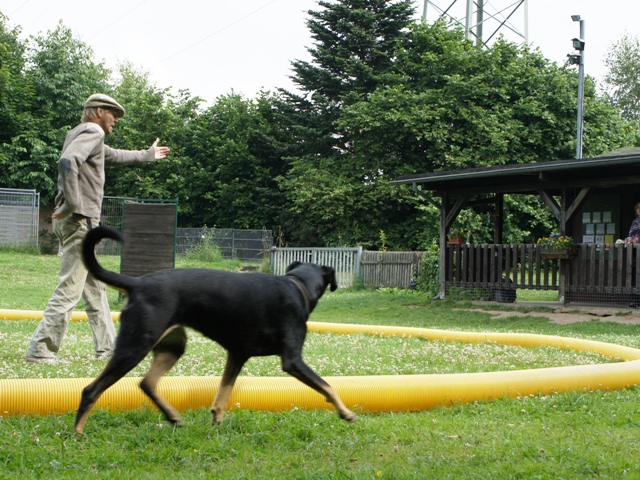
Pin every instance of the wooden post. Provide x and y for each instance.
(499, 224)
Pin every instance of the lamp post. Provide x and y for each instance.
(578, 59)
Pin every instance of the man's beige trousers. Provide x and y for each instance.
(73, 282)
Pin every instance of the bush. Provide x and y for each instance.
(428, 275)
(207, 251)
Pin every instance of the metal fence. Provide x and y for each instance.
(112, 215)
(250, 245)
(19, 217)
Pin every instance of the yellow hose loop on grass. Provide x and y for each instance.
(398, 393)
(76, 316)
(515, 339)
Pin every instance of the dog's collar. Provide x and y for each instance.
(303, 290)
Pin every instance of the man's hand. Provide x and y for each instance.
(161, 152)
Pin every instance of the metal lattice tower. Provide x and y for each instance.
(483, 20)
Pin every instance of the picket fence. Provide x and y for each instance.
(376, 269)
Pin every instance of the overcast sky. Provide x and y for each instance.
(218, 46)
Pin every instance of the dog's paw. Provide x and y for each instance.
(349, 416)
(174, 418)
(217, 416)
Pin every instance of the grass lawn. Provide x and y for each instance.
(575, 435)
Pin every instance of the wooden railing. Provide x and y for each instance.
(603, 273)
(492, 265)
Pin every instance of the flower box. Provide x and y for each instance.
(558, 252)
(557, 246)
(455, 240)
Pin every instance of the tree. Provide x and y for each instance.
(356, 44)
(234, 163)
(454, 106)
(622, 82)
(16, 92)
(16, 99)
(60, 74)
(151, 112)
(441, 104)
(331, 199)
(65, 74)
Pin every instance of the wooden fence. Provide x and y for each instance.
(376, 269)
(607, 273)
(480, 266)
(598, 274)
(389, 269)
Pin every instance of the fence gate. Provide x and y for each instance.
(345, 261)
(389, 269)
(19, 217)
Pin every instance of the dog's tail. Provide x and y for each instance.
(121, 282)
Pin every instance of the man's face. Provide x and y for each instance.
(107, 119)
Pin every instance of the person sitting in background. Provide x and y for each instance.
(634, 231)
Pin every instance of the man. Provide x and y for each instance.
(78, 205)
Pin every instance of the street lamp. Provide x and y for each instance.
(578, 59)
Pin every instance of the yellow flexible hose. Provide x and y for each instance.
(363, 393)
(76, 316)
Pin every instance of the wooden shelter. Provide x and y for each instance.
(592, 200)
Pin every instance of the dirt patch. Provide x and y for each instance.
(567, 315)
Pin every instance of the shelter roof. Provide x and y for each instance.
(620, 167)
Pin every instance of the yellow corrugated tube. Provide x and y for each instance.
(395, 393)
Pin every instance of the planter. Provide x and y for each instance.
(562, 253)
(455, 240)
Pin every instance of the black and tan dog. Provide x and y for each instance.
(249, 314)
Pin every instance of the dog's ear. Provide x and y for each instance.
(329, 275)
(293, 265)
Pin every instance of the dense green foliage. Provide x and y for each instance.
(381, 96)
(623, 79)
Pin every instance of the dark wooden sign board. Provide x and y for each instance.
(150, 237)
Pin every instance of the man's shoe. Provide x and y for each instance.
(103, 356)
(45, 360)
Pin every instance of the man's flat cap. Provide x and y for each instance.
(104, 101)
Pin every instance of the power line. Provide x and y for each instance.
(115, 21)
(214, 33)
(41, 13)
(27, 1)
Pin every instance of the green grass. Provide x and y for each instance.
(27, 280)
(575, 435)
(525, 295)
